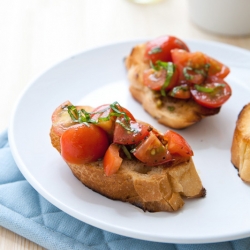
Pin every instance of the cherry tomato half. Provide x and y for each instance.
(212, 94)
(112, 160)
(160, 48)
(129, 132)
(152, 152)
(155, 79)
(177, 144)
(61, 120)
(180, 92)
(83, 143)
(105, 120)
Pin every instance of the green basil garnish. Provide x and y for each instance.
(155, 50)
(126, 152)
(171, 108)
(170, 68)
(203, 71)
(186, 74)
(82, 116)
(207, 89)
(177, 89)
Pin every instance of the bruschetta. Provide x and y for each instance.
(240, 150)
(124, 159)
(175, 86)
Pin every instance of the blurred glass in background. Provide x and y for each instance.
(224, 17)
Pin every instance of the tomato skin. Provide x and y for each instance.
(162, 47)
(112, 160)
(108, 125)
(83, 143)
(103, 112)
(177, 144)
(125, 137)
(155, 79)
(198, 66)
(152, 152)
(217, 69)
(215, 99)
(61, 120)
(180, 92)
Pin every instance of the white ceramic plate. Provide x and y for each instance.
(98, 76)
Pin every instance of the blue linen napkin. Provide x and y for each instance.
(27, 213)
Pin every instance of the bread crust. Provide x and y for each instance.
(240, 149)
(169, 111)
(153, 189)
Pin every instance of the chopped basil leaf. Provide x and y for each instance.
(126, 152)
(186, 74)
(203, 71)
(155, 50)
(171, 108)
(82, 116)
(177, 89)
(125, 126)
(207, 89)
(73, 113)
(170, 68)
(207, 66)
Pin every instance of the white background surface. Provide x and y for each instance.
(36, 34)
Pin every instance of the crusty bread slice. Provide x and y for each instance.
(172, 112)
(240, 150)
(152, 189)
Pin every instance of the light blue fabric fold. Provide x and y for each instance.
(27, 213)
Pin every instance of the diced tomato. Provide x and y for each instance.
(211, 94)
(181, 92)
(61, 119)
(217, 69)
(112, 160)
(151, 151)
(195, 67)
(177, 144)
(129, 132)
(83, 143)
(103, 115)
(160, 48)
(161, 78)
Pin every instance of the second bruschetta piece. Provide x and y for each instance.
(178, 88)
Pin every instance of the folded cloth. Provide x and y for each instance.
(27, 213)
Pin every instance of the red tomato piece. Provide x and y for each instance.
(103, 115)
(195, 67)
(151, 151)
(61, 119)
(160, 48)
(212, 94)
(181, 92)
(156, 79)
(129, 132)
(102, 112)
(217, 69)
(177, 144)
(83, 143)
(112, 160)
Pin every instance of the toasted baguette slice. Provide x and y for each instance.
(169, 111)
(152, 189)
(240, 150)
